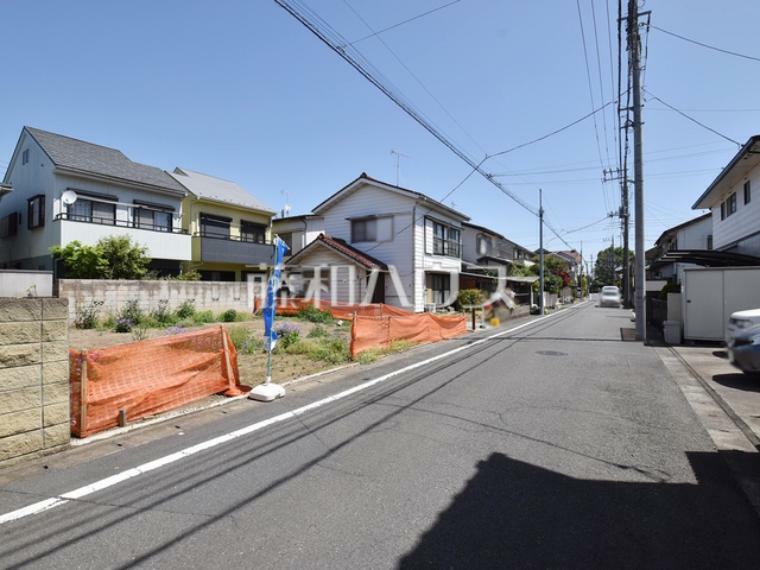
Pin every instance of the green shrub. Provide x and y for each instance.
(368, 356)
(332, 350)
(469, 297)
(186, 309)
(191, 275)
(244, 341)
(312, 314)
(132, 311)
(139, 332)
(203, 317)
(86, 316)
(317, 332)
(107, 323)
(162, 315)
(228, 316)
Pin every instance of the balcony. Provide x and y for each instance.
(161, 242)
(222, 249)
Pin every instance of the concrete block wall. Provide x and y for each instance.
(215, 296)
(34, 377)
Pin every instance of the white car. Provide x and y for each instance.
(739, 321)
(610, 297)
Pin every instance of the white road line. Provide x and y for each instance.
(64, 498)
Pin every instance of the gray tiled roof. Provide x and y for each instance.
(218, 189)
(88, 157)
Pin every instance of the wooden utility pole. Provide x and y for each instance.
(634, 54)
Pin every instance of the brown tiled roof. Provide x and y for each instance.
(344, 248)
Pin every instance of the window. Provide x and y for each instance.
(36, 212)
(722, 210)
(9, 225)
(709, 241)
(731, 204)
(150, 216)
(93, 212)
(446, 240)
(215, 226)
(747, 192)
(363, 230)
(25, 156)
(250, 231)
(482, 245)
(438, 288)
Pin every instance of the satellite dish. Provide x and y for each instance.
(69, 197)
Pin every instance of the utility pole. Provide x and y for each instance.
(540, 252)
(638, 170)
(626, 261)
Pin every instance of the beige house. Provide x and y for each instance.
(230, 228)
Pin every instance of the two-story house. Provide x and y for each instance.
(230, 228)
(104, 194)
(734, 201)
(680, 242)
(411, 243)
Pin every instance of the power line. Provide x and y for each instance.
(352, 59)
(396, 25)
(413, 75)
(601, 83)
(704, 45)
(588, 78)
(692, 119)
(554, 132)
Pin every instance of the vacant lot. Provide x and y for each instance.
(295, 361)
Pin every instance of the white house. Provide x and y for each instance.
(108, 195)
(734, 201)
(298, 231)
(690, 236)
(418, 239)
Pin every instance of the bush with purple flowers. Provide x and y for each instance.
(287, 334)
(123, 325)
(177, 329)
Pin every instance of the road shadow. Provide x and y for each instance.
(720, 353)
(739, 381)
(515, 515)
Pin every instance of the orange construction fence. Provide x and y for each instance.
(342, 311)
(379, 332)
(150, 376)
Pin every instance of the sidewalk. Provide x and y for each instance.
(741, 393)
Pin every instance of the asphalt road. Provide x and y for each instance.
(556, 446)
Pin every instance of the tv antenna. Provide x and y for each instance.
(398, 156)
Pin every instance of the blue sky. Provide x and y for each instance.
(239, 89)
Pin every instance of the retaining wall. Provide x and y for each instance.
(34, 377)
(208, 295)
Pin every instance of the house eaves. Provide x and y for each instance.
(681, 226)
(745, 160)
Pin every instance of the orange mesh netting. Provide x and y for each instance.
(379, 332)
(150, 376)
(342, 311)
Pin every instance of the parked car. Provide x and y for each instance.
(739, 321)
(610, 297)
(744, 350)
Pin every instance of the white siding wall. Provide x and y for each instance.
(35, 177)
(304, 231)
(695, 235)
(427, 262)
(342, 282)
(744, 222)
(369, 200)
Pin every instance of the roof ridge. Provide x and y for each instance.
(31, 129)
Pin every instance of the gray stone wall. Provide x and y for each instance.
(34, 377)
(216, 296)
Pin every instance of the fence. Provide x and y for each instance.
(112, 385)
(115, 293)
(379, 332)
(377, 325)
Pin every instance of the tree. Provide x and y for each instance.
(125, 260)
(114, 257)
(556, 273)
(606, 262)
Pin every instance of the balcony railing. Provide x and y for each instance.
(228, 249)
(110, 221)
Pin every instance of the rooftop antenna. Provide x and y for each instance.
(398, 160)
(285, 212)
